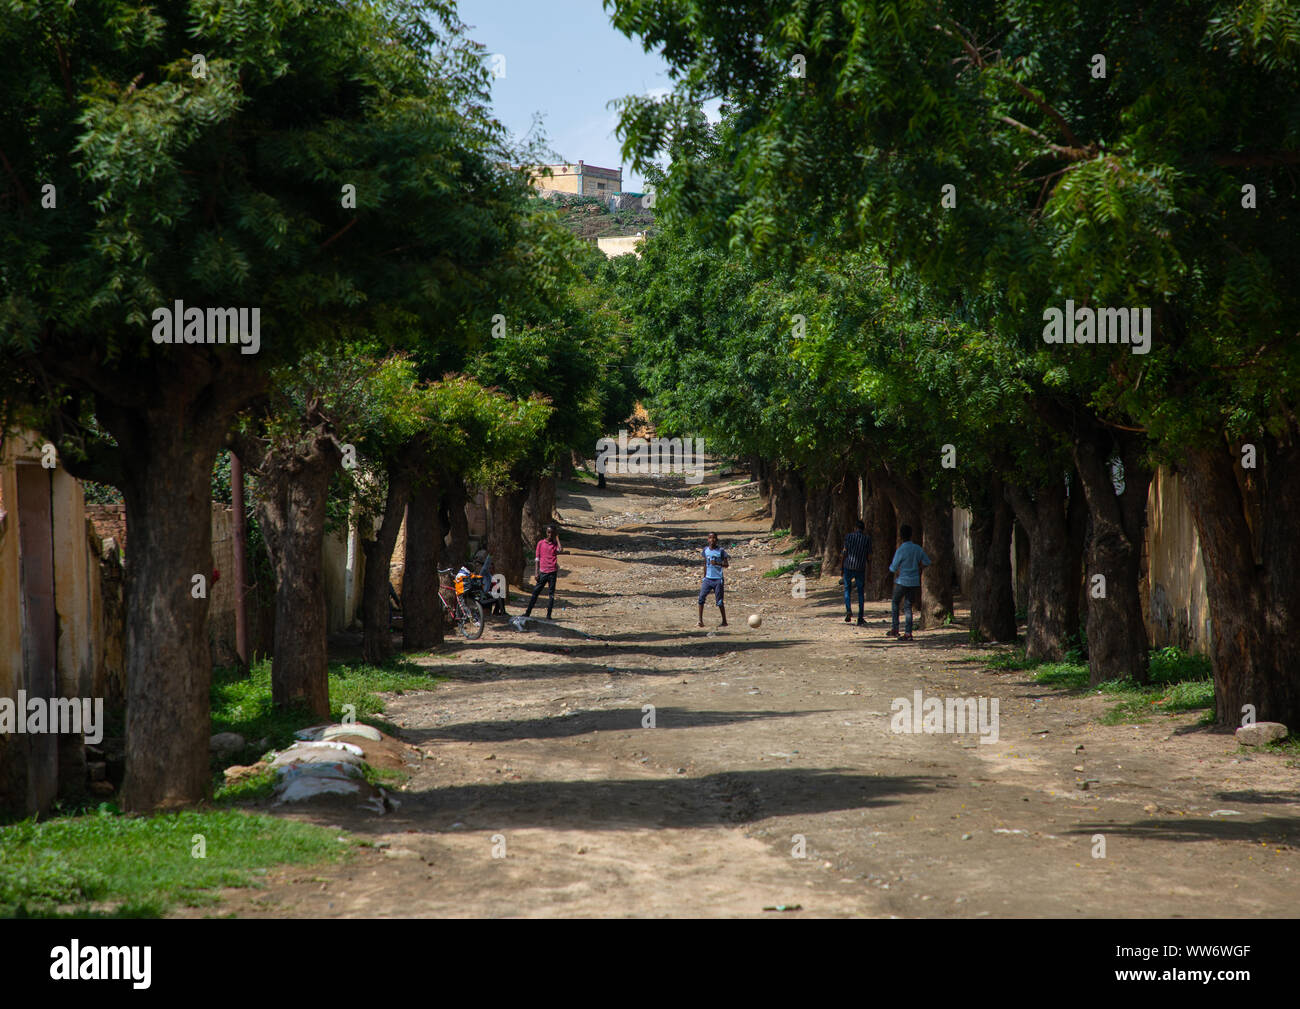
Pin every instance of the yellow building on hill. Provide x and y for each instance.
(581, 179)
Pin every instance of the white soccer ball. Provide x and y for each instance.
(755, 620)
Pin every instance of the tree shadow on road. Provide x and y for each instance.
(579, 723)
(1275, 829)
(725, 799)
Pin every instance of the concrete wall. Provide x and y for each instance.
(342, 560)
(76, 576)
(558, 183)
(342, 587)
(78, 604)
(1178, 610)
(620, 245)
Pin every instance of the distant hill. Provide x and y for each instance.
(590, 217)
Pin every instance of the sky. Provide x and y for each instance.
(564, 60)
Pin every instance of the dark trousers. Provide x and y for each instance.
(542, 581)
(905, 594)
(849, 578)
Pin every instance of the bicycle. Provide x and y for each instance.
(460, 606)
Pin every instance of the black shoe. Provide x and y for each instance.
(861, 622)
(848, 618)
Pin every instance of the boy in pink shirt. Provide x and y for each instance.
(548, 567)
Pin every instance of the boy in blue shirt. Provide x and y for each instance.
(715, 559)
(909, 559)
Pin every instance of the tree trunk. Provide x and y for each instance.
(1043, 517)
(1117, 639)
(505, 538)
(817, 505)
(539, 508)
(992, 605)
(167, 487)
(843, 519)
(456, 498)
(291, 512)
(779, 501)
(792, 489)
(377, 643)
(1254, 591)
(881, 523)
(936, 584)
(904, 493)
(421, 612)
(1076, 524)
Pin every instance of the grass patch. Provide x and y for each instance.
(1289, 748)
(783, 569)
(1067, 675)
(385, 777)
(1013, 660)
(107, 865)
(1178, 682)
(699, 491)
(251, 789)
(777, 534)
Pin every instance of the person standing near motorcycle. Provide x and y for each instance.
(494, 605)
(548, 568)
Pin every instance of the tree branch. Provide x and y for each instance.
(337, 235)
(1076, 149)
(64, 70)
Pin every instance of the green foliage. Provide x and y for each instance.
(227, 188)
(572, 355)
(826, 361)
(1118, 190)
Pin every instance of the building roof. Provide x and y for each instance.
(582, 168)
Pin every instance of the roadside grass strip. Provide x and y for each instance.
(103, 864)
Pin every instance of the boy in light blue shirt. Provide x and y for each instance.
(715, 559)
(909, 560)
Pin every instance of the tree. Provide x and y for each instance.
(566, 346)
(315, 168)
(294, 447)
(978, 141)
(476, 435)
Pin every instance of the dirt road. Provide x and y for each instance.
(540, 793)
